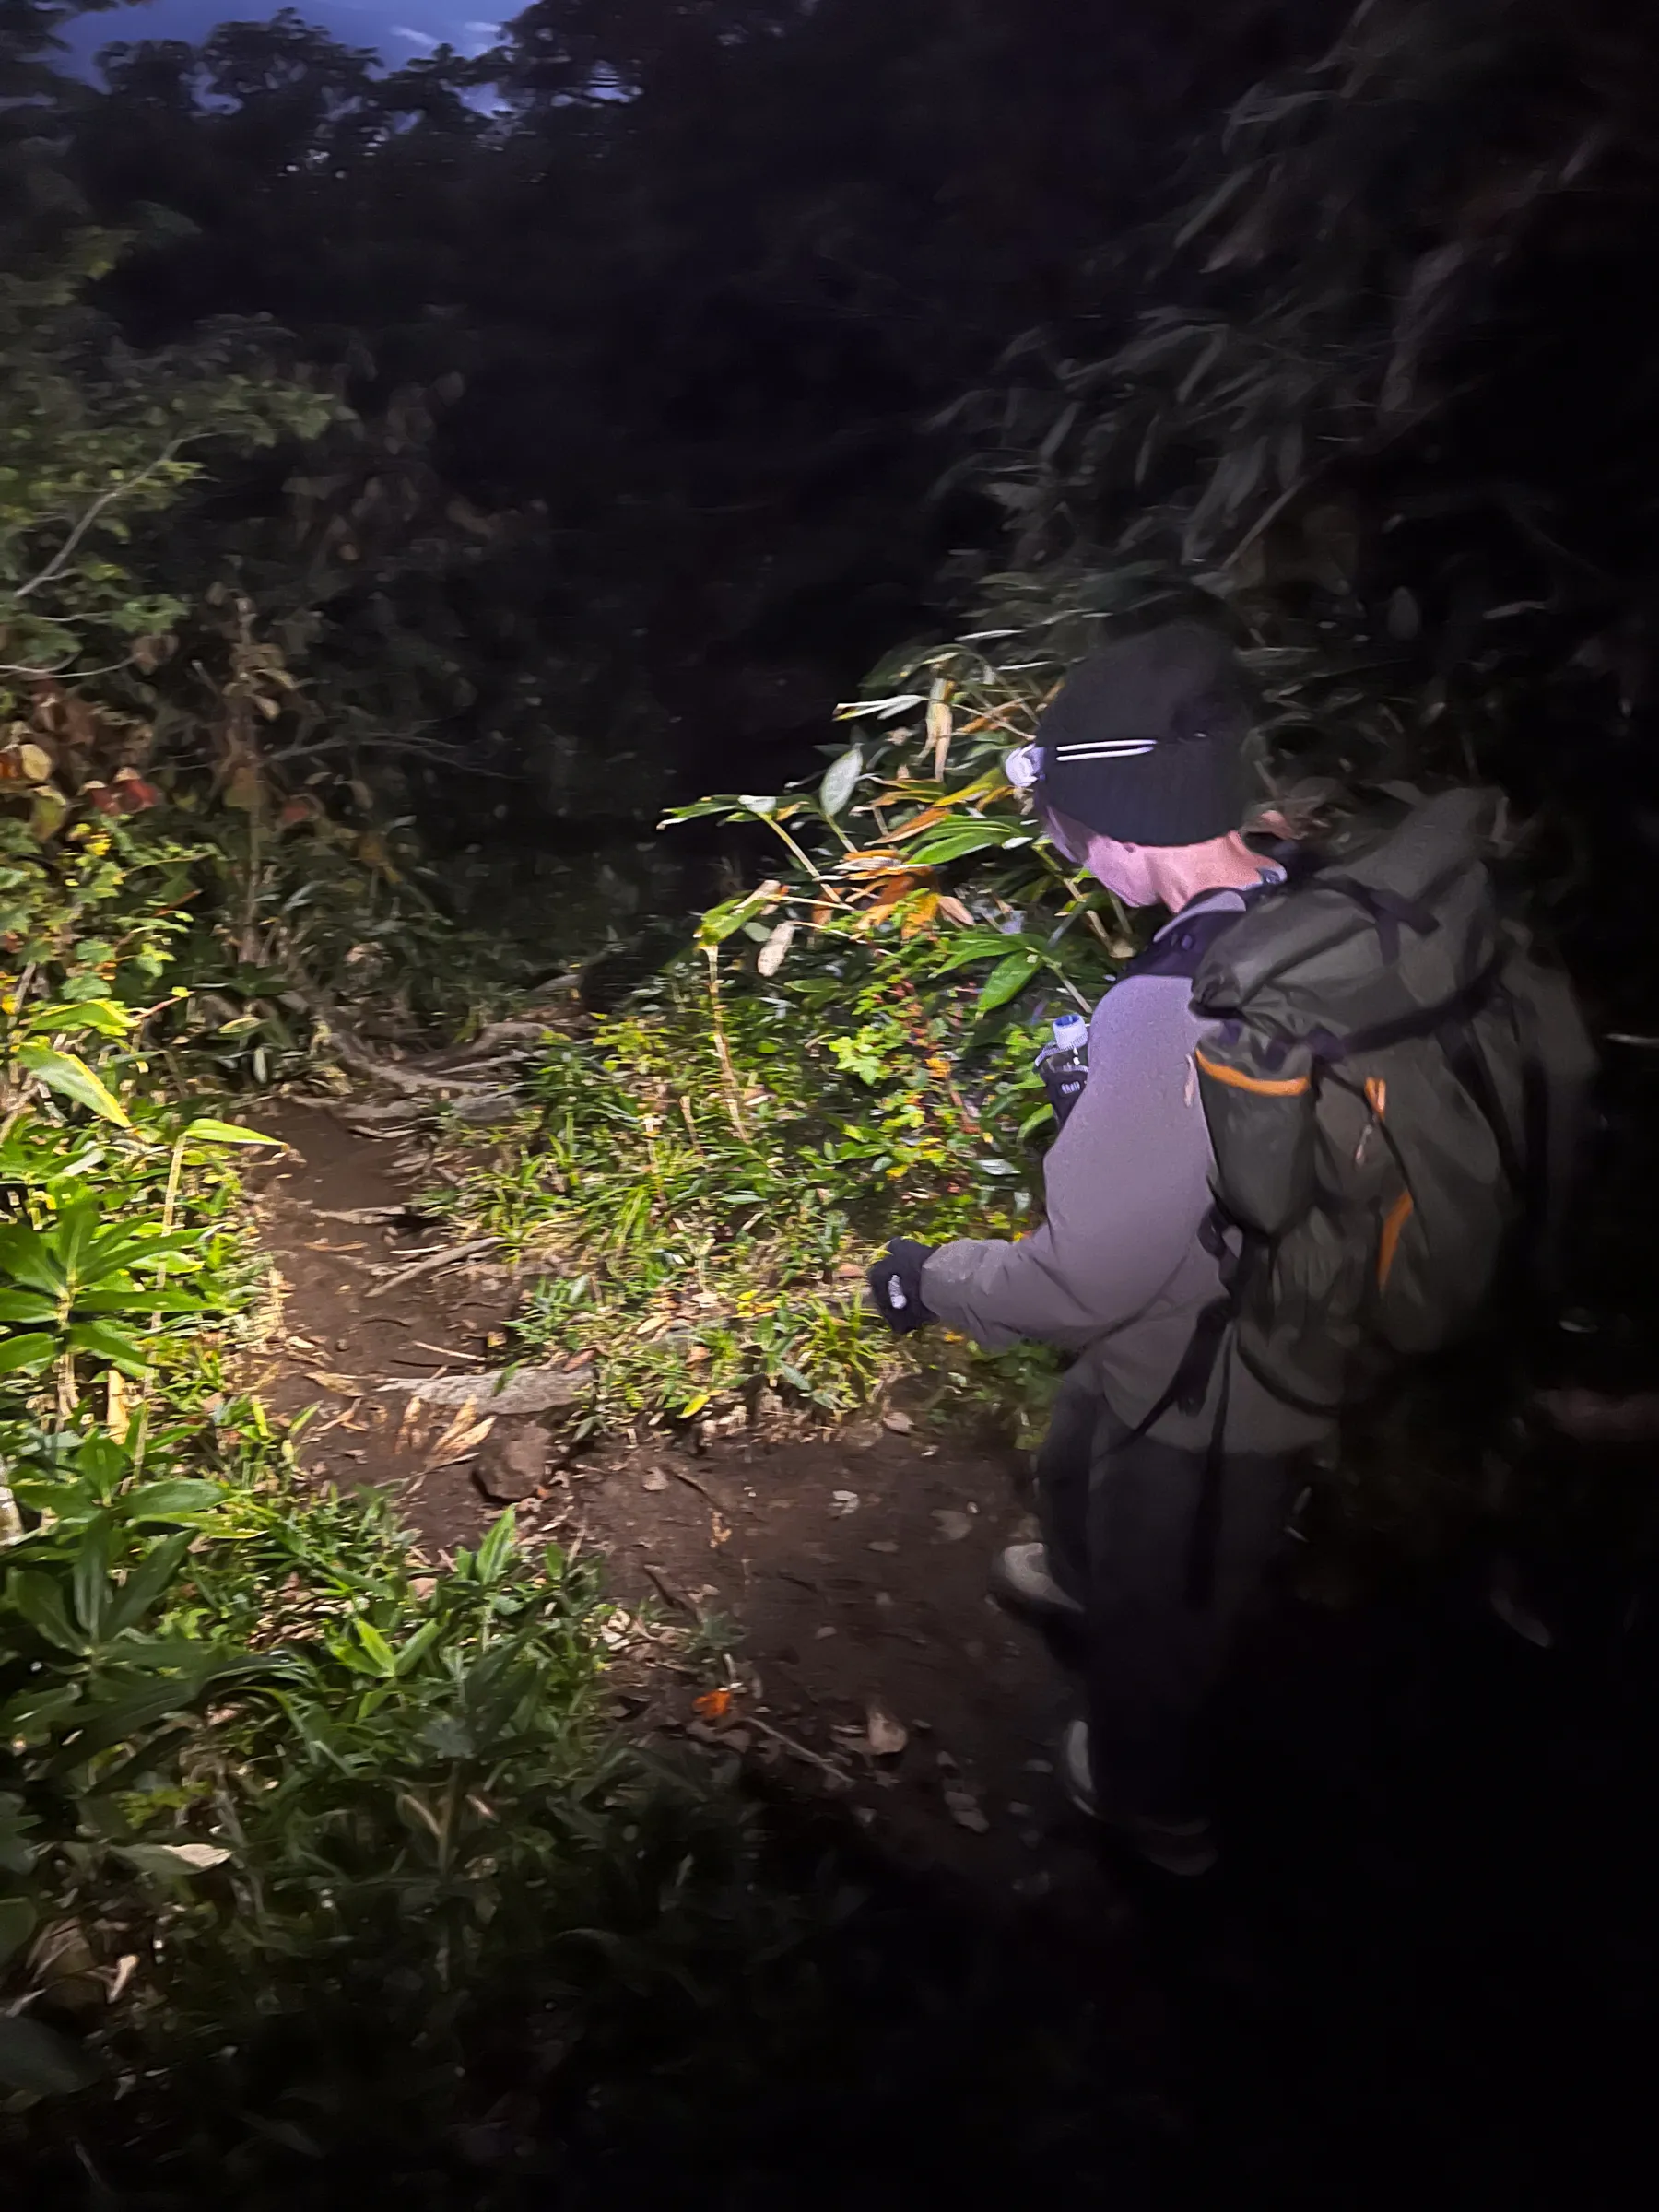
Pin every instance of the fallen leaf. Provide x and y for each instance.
(842, 1502)
(899, 1423)
(714, 1705)
(966, 1811)
(342, 1386)
(953, 1525)
(887, 1737)
(159, 1857)
(653, 1478)
(719, 1531)
(459, 1440)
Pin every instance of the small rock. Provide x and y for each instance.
(842, 1502)
(953, 1525)
(1022, 1812)
(819, 1634)
(967, 1811)
(884, 1598)
(887, 1737)
(653, 1478)
(484, 1110)
(515, 1467)
(899, 1423)
(882, 1544)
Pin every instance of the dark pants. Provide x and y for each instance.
(1118, 1512)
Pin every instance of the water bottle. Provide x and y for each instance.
(1064, 1064)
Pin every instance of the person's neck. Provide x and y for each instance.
(1182, 873)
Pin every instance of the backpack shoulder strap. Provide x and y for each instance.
(1183, 947)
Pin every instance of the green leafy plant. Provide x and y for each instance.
(706, 1174)
(84, 1286)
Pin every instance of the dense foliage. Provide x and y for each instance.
(511, 446)
(607, 302)
(702, 1176)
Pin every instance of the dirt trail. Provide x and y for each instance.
(851, 1573)
(1434, 1932)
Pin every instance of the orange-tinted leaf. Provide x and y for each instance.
(715, 1705)
(889, 894)
(877, 862)
(133, 794)
(926, 819)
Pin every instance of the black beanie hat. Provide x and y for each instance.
(1144, 740)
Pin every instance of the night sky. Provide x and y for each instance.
(400, 29)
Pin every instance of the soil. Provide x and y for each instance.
(1434, 1943)
(848, 1577)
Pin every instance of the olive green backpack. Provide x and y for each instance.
(1394, 1085)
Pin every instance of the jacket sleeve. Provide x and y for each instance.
(1126, 1185)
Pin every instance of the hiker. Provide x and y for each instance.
(1295, 1158)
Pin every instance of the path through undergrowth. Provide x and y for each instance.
(1432, 1945)
(829, 1594)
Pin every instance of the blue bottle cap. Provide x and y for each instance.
(1071, 1030)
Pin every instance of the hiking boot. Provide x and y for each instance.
(1185, 1848)
(1020, 1578)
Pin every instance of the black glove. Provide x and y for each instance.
(896, 1287)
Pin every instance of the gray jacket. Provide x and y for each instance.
(1116, 1273)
